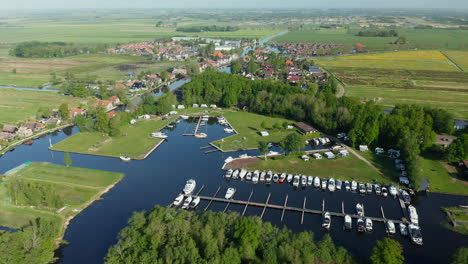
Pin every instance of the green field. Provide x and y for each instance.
(459, 57)
(22, 105)
(136, 144)
(76, 186)
(440, 179)
(248, 126)
(417, 38)
(350, 168)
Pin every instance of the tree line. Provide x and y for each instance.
(27, 193)
(37, 49)
(378, 33)
(212, 28)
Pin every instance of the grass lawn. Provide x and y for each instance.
(462, 227)
(350, 168)
(383, 163)
(21, 105)
(76, 186)
(248, 126)
(135, 144)
(440, 179)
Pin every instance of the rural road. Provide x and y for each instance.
(341, 90)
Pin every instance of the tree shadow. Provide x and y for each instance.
(252, 128)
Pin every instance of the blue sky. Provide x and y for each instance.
(48, 4)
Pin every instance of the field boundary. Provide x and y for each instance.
(452, 61)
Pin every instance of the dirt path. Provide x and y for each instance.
(364, 159)
(341, 90)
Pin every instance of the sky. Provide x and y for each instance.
(267, 4)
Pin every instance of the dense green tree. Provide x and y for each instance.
(387, 251)
(263, 148)
(63, 110)
(102, 120)
(164, 75)
(67, 159)
(460, 256)
(458, 150)
(236, 66)
(252, 67)
(292, 142)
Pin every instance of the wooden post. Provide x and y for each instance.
(342, 207)
(303, 209)
(383, 215)
(216, 193)
(264, 208)
(323, 206)
(245, 208)
(284, 207)
(201, 189)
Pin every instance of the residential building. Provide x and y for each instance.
(305, 128)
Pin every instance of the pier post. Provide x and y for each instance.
(303, 209)
(284, 207)
(383, 215)
(248, 201)
(266, 204)
(342, 207)
(216, 193)
(323, 206)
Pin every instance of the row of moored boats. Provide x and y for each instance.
(188, 201)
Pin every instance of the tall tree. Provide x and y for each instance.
(67, 159)
(63, 110)
(263, 148)
(292, 142)
(387, 251)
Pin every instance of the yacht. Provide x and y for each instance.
(269, 177)
(360, 225)
(354, 186)
(255, 176)
(348, 222)
(406, 197)
(369, 187)
(359, 209)
(326, 221)
(331, 185)
(384, 191)
(290, 178)
(184, 117)
(235, 175)
(205, 118)
(201, 135)
(125, 158)
(262, 176)
(178, 200)
(189, 186)
(195, 202)
(403, 229)
(275, 177)
(368, 225)
(159, 135)
(324, 184)
(230, 193)
(413, 215)
(187, 202)
(362, 188)
(304, 181)
(310, 180)
(228, 130)
(393, 191)
(390, 227)
(282, 177)
(229, 173)
(248, 176)
(317, 182)
(338, 184)
(243, 156)
(242, 173)
(229, 159)
(377, 189)
(347, 185)
(415, 234)
(296, 181)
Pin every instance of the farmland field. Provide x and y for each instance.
(459, 57)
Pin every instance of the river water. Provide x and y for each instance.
(159, 178)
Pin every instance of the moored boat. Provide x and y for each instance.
(360, 209)
(326, 221)
(338, 184)
(377, 189)
(384, 191)
(228, 130)
(275, 177)
(331, 185)
(159, 135)
(324, 184)
(415, 234)
(390, 227)
(296, 181)
(354, 186)
(201, 135)
(347, 185)
(290, 178)
(229, 173)
(413, 215)
(360, 225)
(187, 202)
(125, 158)
(317, 182)
(362, 188)
(310, 180)
(230, 193)
(178, 200)
(195, 202)
(403, 229)
(368, 225)
(393, 190)
(304, 181)
(348, 222)
(189, 186)
(184, 117)
(229, 159)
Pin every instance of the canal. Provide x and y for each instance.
(159, 178)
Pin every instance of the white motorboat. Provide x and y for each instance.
(205, 118)
(393, 190)
(384, 191)
(413, 215)
(338, 184)
(269, 177)
(347, 185)
(125, 158)
(354, 186)
(368, 225)
(406, 197)
(360, 225)
(275, 177)
(243, 156)
(317, 182)
(331, 185)
(229, 130)
(362, 188)
(159, 135)
(326, 221)
(390, 227)
(248, 176)
(242, 174)
(262, 176)
(235, 174)
(178, 200)
(360, 209)
(229, 173)
(282, 177)
(195, 202)
(189, 186)
(310, 180)
(348, 222)
(369, 187)
(187, 202)
(271, 153)
(415, 234)
(229, 159)
(296, 181)
(230, 193)
(290, 178)
(184, 117)
(324, 184)
(201, 135)
(403, 229)
(377, 189)
(304, 181)
(255, 176)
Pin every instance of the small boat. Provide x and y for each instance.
(205, 118)
(242, 173)
(393, 191)
(170, 125)
(390, 227)
(377, 189)
(384, 191)
(406, 197)
(347, 185)
(229, 174)
(310, 180)
(359, 209)
(187, 202)
(362, 188)
(184, 117)
(275, 177)
(338, 184)
(125, 158)
(195, 202)
(178, 200)
(262, 176)
(348, 222)
(228, 130)
(255, 176)
(230, 193)
(271, 153)
(269, 177)
(369, 187)
(235, 174)
(324, 184)
(229, 159)
(317, 182)
(248, 176)
(243, 156)
(360, 225)
(189, 186)
(296, 181)
(403, 229)
(413, 215)
(368, 225)
(282, 177)
(326, 221)
(415, 234)
(201, 135)
(290, 178)
(354, 186)
(304, 181)
(331, 185)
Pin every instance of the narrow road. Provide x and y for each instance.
(364, 159)
(341, 90)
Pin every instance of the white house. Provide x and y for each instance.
(329, 155)
(343, 153)
(305, 158)
(317, 156)
(363, 148)
(264, 133)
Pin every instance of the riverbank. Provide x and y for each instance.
(457, 219)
